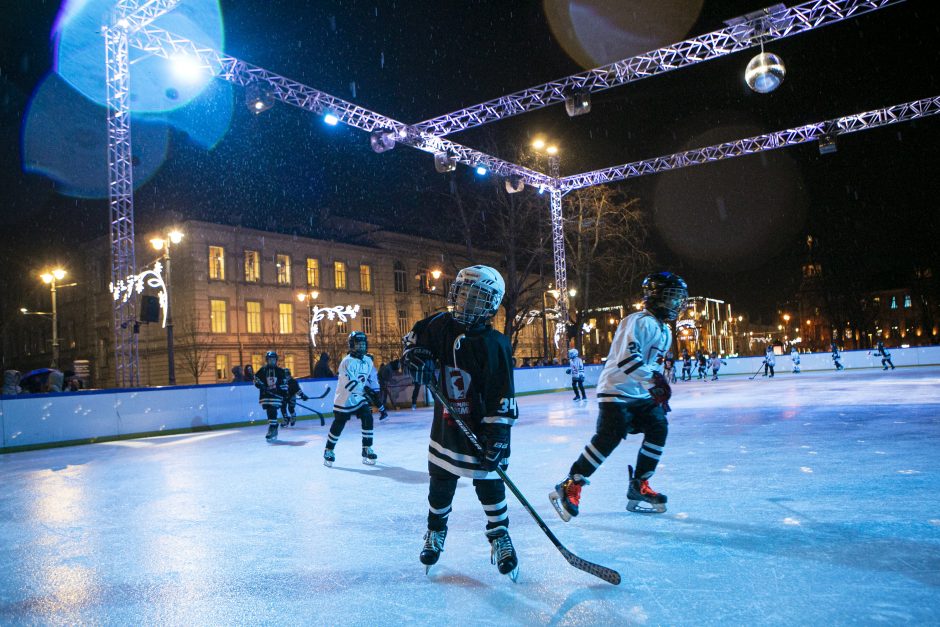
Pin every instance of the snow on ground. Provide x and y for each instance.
(803, 499)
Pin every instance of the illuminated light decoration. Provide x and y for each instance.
(765, 73)
(135, 284)
(341, 313)
(330, 119)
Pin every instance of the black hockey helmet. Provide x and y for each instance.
(664, 294)
(270, 358)
(358, 344)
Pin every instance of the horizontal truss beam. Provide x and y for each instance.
(746, 33)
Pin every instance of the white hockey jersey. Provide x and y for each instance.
(355, 374)
(577, 368)
(637, 351)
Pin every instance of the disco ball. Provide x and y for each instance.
(765, 72)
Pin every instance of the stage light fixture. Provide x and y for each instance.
(514, 184)
(331, 119)
(827, 145)
(765, 72)
(445, 162)
(257, 99)
(481, 170)
(578, 104)
(382, 141)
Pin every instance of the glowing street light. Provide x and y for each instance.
(51, 278)
(436, 274)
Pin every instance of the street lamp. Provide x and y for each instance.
(50, 278)
(163, 244)
(309, 297)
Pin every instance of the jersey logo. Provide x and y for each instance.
(457, 383)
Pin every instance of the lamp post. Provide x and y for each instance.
(163, 244)
(50, 278)
(309, 297)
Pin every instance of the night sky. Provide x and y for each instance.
(734, 229)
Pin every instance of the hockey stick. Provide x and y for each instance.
(751, 378)
(319, 415)
(607, 574)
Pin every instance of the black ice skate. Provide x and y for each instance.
(566, 497)
(328, 457)
(433, 547)
(293, 420)
(272, 433)
(502, 553)
(368, 456)
(641, 498)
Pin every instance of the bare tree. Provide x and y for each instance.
(605, 233)
(193, 345)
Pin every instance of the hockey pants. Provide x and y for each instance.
(443, 484)
(577, 386)
(768, 367)
(340, 418)
(614, 422)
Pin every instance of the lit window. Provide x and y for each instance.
(365, 278)
(285, 318)
(339, 274)
(367, 321)
(218, 315)
(894, 302)
(342, 328)
(253, 315)
(257, 361)
(907, 301)
(313, 272)
(289, 363)
(217, 263)
(252, 266)
(283, 269)
(403, 322)
(221, 368)
(401, 283)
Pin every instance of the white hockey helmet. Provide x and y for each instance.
(572, 353)
(475, 294)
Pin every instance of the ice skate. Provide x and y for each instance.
(641, 498)
(328, 457)
(503, 554)
(433, 547)
(272, 433)
(368, 456)
(293, 420)
(566, 497)
(578, 398)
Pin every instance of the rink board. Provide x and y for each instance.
(45, 419)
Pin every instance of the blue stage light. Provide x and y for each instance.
(481, 170)
(331, 119)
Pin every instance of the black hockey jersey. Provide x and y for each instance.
(476, 376)
(272, 383)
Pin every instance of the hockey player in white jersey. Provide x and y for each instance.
(632, 396)
(795, 358)
(354, 376)
(576, 370)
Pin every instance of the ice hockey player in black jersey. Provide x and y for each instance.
(686, 365)
(472, 364)
(289, 406)
(633, 396)
(272, 383)
(837, 357)
(351, 400)
(885, 356)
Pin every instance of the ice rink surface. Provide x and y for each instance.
(803, 499)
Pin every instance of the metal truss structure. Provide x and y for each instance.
(131, 25)
(760, 28)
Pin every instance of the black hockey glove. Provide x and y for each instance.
(568, 371)
(661, 392)
(371, 397)
(495, 445)
(421, 365)
(304, 397)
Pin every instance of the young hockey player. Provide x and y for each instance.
(837, 357)
(715, 362)
(686, 365)
(885, 356)
(473, 364)
(795, 358)
(576, 370)
(633, 397)
(353, 379)
(701, 364)
(289, 406)
(271, 382)
(669, 368)
(770, 361)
